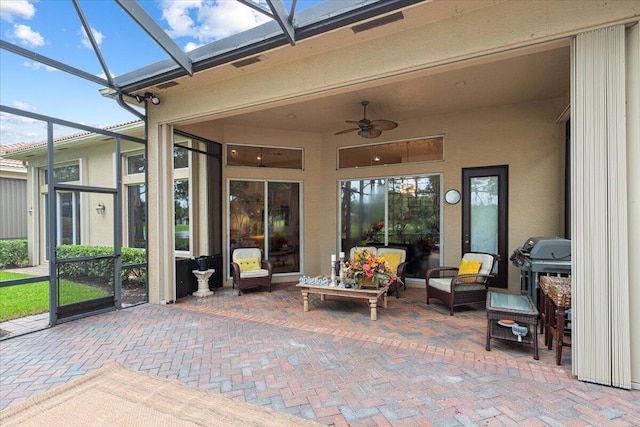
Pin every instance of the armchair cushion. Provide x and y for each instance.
(254, 273)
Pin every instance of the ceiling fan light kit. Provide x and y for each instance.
(369, 128)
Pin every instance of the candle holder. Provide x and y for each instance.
(333, 274)
(341, 269)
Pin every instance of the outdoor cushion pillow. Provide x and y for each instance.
(469, 267)
(393, 260)
(247, 264)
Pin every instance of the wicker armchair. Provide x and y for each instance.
(250, 270)
(400, 269)
(454, 289)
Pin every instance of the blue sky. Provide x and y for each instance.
(53, 29)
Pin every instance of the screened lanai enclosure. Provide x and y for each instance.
(309, 127)
(89, 228)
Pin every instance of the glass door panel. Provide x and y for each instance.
(284, 226)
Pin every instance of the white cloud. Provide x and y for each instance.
(97, 35)
(21, 105)
(37, 66)
(17, 129)
(27, 36)
(191, 46)
(11, 9)
(207, 21)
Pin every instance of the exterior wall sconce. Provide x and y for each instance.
(30, 211)
(148, 96)
(100, 208)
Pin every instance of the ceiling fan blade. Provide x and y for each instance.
(352, 122)
(384, 124)
(346, 131)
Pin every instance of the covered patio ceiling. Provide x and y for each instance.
(524, 75)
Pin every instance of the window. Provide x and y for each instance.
(64, 173)
(181, 198)
(264, 157)
(425, 149)
(266, 215)
(136, 216)
(135, 226)
(397, 211)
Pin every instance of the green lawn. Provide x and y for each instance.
(24, 300)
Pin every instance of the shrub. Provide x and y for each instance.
(13, 253)
(101, 268)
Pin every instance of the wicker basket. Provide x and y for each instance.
(558, 289)
(368, 283)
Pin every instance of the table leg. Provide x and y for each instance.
(305, 298)
(322, 297)
(535, 341)
(373, 303)
(488, 345)
(384, 300)
(549, 321)
(560, 335)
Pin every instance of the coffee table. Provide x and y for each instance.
(516, 307)
(371, 295)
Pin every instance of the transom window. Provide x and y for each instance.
(425, 149)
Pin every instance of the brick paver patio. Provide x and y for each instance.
(414, 366)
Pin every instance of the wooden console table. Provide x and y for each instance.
(371, 295)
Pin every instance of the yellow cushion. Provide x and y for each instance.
(247, 264)
(393, 260)
(469, 267)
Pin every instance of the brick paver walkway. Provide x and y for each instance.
(415, 366)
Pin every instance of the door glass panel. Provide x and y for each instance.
(363, 206)
(181, 205)
(246, 214)
(284, 226)
(414, 221)
(484, 214)
(136, 215)
(69, 218)
(409, 217)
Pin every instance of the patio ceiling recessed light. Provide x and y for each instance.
(461, 83)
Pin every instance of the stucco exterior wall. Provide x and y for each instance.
(524, 136)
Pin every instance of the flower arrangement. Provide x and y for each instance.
(365, 265)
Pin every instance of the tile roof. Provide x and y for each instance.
(8, 163)
(29, 145)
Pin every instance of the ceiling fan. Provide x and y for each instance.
(369, 128)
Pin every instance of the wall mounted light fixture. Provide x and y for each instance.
(100, 208)
(30, 211)
(148, 95)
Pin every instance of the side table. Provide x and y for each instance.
(203, 282)
(516, 307)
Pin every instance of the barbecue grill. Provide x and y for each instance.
(541, 256)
